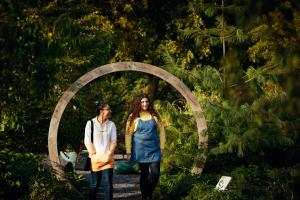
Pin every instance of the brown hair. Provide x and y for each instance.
(136, 107)
(99, 106)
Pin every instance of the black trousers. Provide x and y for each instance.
(149, 177)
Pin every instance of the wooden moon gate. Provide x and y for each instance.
(127, 66)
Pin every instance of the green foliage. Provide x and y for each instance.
(23, 176)
(176, 186)
(42, 188)
(245, 98)
(17, 169)
(240, 59)
(248, 182)
(204, 191)
(254, 182)
(242, 126)
(181, 135)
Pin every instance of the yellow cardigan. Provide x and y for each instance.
(130, 130)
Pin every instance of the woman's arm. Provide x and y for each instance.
(113, 138)
(87, 139)
(162, 134)
(128, 136)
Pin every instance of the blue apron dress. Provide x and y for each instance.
(145, 142)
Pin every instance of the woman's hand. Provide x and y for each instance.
(110, 155)
(128, 156)
(91, 153)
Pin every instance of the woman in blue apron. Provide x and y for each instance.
(144, 141)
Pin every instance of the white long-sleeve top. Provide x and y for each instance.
(103, 136)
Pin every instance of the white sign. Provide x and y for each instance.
(223, 182)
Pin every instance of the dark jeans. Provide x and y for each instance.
(149, 177)
(106, 176)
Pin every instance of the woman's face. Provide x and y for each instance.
(144, 104)
(106, 112)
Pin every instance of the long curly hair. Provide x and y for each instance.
(136, 107)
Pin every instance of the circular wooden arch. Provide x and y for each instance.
(117, 67)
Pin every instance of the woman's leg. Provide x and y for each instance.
(107, 176)
(95, 183)
(144, 179)
(154, 176)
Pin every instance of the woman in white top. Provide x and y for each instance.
(101, 150)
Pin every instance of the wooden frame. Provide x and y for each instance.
(127, 66)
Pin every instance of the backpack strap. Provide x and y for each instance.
(92, 131)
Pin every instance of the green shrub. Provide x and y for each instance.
(17, 169)
(248, 182)
(174, 186)
(45, 185)
(23, 177)
(205, 191)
